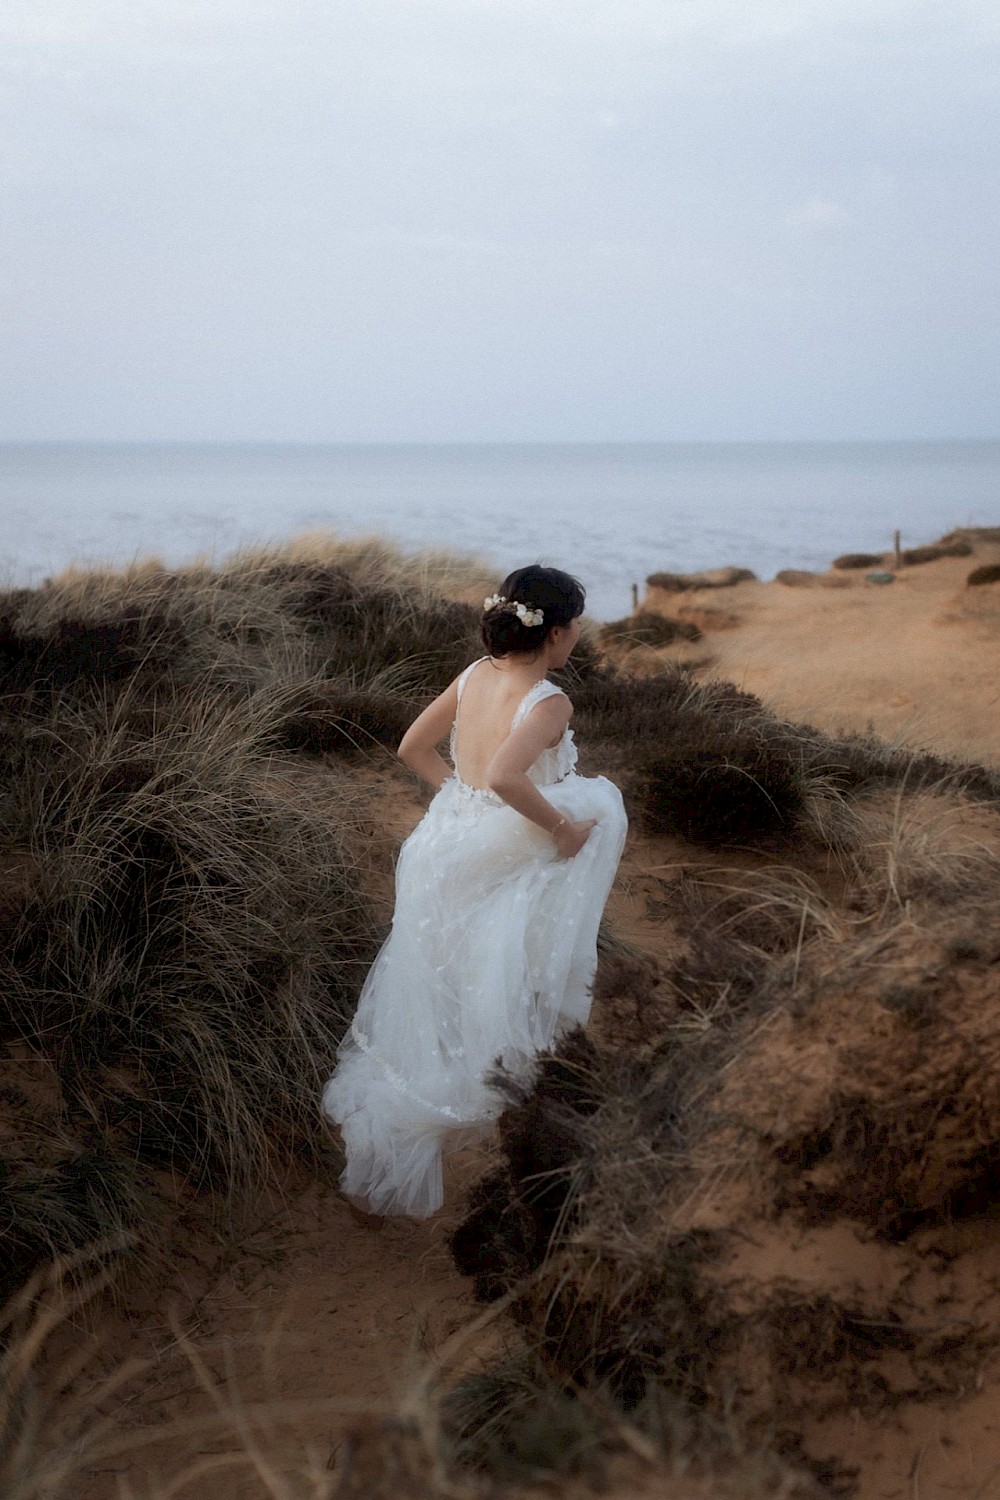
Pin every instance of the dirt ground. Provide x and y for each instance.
(307, 1325)
(915, 660)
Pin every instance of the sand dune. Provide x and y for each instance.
(790, 1177)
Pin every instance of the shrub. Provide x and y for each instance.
(797, 578)
(648, 629)
(185, 959)
(711, 578)
(859, 560)
(988, 573)
(915, 555)
(737, 790)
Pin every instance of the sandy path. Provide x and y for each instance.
(310, 1323)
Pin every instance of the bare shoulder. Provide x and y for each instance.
(555, 709)
(559, 697)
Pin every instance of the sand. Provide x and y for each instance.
(916, 660)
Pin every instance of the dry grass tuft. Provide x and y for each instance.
(185, 961)
(647, 629)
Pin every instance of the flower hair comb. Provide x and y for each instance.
(526, 616)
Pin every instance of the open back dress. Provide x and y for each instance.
(491, 954)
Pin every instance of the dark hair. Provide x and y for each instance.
(559, 596)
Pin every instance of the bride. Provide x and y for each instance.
(499, 893)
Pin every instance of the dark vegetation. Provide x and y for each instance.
(988, 573)
(648, 629)
(185, 921)
(713, 578)
(859, 560)
(706, 762)
(914, 555)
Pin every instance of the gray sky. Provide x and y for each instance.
(335, 220)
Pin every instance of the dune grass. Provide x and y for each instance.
(184, 962)
(191, 917)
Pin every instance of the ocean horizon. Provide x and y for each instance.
(610, 512)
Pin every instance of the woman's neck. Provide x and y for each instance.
(529, 670)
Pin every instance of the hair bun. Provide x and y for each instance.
(529, 603)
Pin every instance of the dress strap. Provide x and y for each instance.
(533, 696)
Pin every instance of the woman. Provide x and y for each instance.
(499, 894)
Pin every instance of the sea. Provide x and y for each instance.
(609, 512)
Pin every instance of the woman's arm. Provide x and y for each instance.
(418, 748)
(507, 773)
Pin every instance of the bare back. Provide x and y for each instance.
(488, 701)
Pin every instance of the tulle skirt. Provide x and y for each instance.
(491, 955)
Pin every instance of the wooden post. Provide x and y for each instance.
(635, 597)
(895, 548)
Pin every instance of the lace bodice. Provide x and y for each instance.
(552, 765)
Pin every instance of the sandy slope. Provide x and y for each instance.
(915, 660)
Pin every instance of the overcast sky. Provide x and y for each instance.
(431, 220)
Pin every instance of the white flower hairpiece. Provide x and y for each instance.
(528, 616)
(524, 614)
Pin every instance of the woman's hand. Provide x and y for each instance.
(569, 838)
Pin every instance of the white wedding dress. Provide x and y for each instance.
(491, 955)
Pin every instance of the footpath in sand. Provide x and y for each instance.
(306, 1325)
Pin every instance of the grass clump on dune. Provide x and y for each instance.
(858, 560)
(647, 629)
(358, 615)
(708, 763)
(185, 957)
(186, 920)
